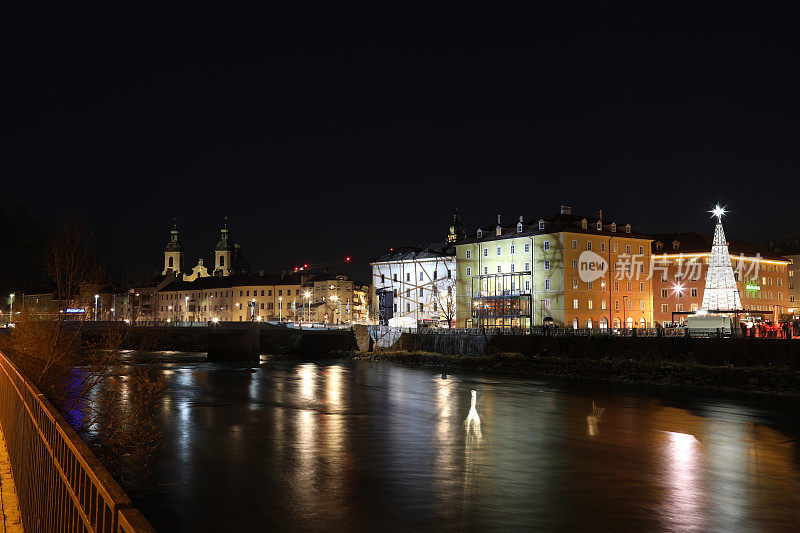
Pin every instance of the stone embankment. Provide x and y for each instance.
(763, 380)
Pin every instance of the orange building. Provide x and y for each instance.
(680, 262)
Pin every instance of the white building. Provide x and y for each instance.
(414, 286)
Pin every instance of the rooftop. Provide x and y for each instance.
(692, 242)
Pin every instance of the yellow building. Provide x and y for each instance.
(563, 270)
(293, 297)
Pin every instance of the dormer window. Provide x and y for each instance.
(627, 228)
(519, 227)
(599, 225)
(659, 246)
(584, 224)
(480, 233)
(541, 224)
(676, 245)
(613, 227)
(498, 231)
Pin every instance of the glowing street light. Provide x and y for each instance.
(186, 309)
(307, 296)
(11, 319)
(280, 308)
(96, 296)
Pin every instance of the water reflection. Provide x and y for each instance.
(593, 420)
(363, 446)
(473, 421)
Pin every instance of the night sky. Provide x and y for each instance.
(328, 132)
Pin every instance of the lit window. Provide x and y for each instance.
(574, 283)
(575, 303)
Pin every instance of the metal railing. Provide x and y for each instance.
(61, 485)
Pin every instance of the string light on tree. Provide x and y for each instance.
(721, 292)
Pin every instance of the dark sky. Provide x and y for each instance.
(323, 132)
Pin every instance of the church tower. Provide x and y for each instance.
(457, 231)
(173, 253)
(223, 254)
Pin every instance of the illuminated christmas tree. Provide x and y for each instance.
(721, 292)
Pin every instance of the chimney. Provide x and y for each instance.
(566, 210)
(499, 220)
(598, 213)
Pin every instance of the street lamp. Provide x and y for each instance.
(280, 308)
(96, 296)
(253, 312)
(186, 309)
(307, 296)
(624, 319)
(172, 309)
(11, 318)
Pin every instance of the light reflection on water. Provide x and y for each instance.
(354, 445)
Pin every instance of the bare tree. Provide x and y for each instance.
(108, 401)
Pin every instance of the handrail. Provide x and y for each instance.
(61, 485)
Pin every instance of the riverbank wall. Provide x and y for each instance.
(740, 352)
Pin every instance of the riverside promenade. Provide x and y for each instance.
(10, 519)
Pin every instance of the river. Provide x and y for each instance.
(354, 445)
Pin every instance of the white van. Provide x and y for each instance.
(709, 325)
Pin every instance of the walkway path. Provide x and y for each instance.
(10, 520)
